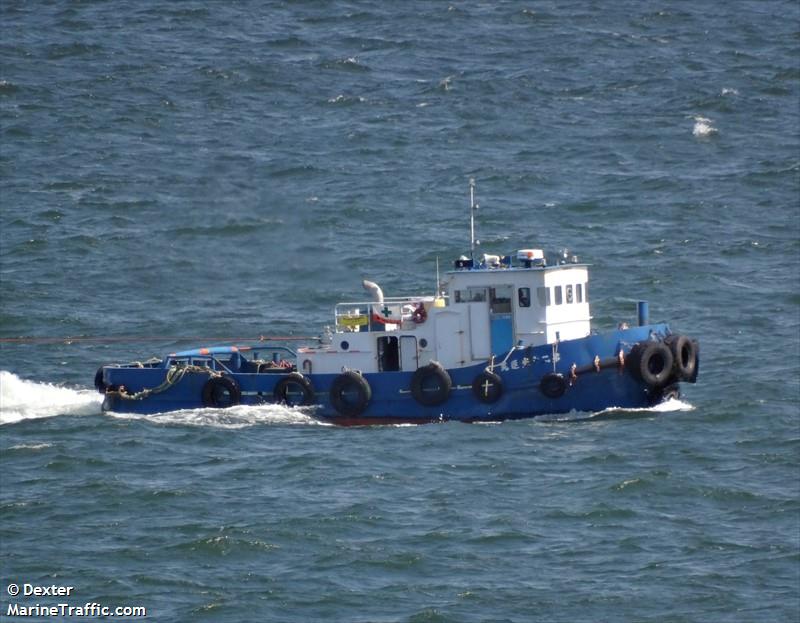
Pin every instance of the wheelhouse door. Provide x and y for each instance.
(501, 319)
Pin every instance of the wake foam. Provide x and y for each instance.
(673, 404)
(27, 400)
(241, 416)
(668, 406)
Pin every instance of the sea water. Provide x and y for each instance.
(174, 172)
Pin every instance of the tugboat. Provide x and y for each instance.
(504, 337)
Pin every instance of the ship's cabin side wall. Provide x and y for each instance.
(567, 316)
(370, 346)
(489, 311)
(529, 305)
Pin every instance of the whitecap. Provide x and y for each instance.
(31, 446)
(346, 99)
(703, 127)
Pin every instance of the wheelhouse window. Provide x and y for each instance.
(569, 295)
(471, 295)
(500, 299)
(476, 295)
(559, 295)
(543, 296)
(579, 293)
(524, 297)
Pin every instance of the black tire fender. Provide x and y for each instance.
(350, 393)
(294, 390)
(487, 387)
(693, 378)
(220, 392)
(651, 363)
(684, 354)
(553, 385)
(99, 383)
(431, 385)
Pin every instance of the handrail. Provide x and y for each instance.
(391, 300)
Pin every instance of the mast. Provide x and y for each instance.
(473, 207)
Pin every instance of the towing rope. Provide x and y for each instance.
(32, 339)
(174, 376)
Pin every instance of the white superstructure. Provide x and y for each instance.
(488, 310)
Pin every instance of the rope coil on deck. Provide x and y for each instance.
(174, 376)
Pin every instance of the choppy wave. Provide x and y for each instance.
(26, 400)
(209, 170)
(703, 128)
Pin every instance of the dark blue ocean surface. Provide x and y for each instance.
(172, 172)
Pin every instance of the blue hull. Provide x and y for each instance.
(588, 374)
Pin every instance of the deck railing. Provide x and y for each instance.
(389, 315)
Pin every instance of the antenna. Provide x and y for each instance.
(473, 207)
(438, 286)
